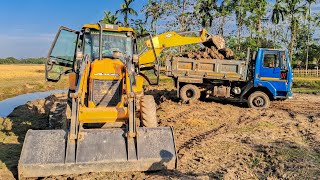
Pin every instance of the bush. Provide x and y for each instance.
(12, 60)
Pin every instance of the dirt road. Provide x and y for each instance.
(221, 140)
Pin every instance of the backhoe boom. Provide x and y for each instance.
(166, 40)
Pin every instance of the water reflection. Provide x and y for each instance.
(8, 105)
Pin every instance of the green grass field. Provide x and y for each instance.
(306, 85)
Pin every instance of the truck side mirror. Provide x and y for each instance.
(254, 54)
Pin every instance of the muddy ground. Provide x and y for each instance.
(215, 140)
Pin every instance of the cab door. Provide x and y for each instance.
(62, 54)
(273, 71)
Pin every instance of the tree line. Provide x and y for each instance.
(12, 60)
(289, 24)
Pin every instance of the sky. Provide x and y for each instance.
(29, 26)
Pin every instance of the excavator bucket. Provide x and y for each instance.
(215, 40)
(49, 153)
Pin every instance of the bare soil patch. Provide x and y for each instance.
(215, 140)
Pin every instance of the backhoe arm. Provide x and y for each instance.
(166, 40)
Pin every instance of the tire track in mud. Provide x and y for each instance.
(203, 108)
(184, 111)
(196, 140)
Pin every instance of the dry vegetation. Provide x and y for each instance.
(21, 79)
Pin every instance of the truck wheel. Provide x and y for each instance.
(258, 100)
(148, 110)
(189, 93)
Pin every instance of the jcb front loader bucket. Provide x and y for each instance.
(49, 153)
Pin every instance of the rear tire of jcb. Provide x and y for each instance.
(259, 100)
(189, 93)
(148, 110)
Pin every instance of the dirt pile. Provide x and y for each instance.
(33, 115)
(214, 48)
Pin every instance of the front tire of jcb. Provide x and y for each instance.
(258, 100)
(148, 110)
(189, 93)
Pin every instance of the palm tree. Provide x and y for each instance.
(278, 14)
(295, 10)
(125, 10)
(110, 18)
(154, 10)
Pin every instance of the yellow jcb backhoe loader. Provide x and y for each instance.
(113, 125)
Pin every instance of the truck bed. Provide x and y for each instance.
(194, 71)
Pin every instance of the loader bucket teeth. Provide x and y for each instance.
(44, 152)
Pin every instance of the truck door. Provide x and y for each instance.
(62, 54)
(273, 70)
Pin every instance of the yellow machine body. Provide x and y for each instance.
(108, 130)
(110, 70)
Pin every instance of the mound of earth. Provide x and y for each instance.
(215, 139)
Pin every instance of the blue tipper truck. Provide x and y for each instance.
(264, 76)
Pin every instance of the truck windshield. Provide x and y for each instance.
(111, 42)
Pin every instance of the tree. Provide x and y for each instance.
(183, 12)
(278, 14)
(317, 19)
(308, 39)
(257, 9)
(110, 18)
(204, 9)
(223, 11)
(154, 10)
(240, 8)
(295, 11)
(139, 27)
(183, 5)
(125, 10)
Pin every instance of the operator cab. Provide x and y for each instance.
(115, 44)
(71, 46)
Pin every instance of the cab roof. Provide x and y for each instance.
(108, 27)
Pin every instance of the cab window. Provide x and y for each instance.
(271, 60)
(284, 61)
(64, 48)
(111, 42)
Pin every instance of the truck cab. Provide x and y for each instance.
(273, 71)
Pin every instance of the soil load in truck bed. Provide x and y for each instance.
(214, 48)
